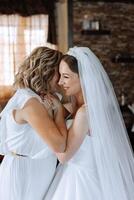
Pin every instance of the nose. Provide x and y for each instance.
(60, 81)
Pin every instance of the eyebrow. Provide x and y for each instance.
(66, 74)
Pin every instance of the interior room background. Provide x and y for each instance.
(107, 27)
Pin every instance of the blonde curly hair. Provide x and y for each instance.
(38, 69)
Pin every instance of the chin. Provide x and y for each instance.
(68, 93)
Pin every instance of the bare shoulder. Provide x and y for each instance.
(32, 101)
(34, 107)
(81, 121)
(81, 111)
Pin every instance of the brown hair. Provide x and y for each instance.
(38, 69)
(72, 63)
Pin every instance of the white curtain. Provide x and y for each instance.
(18, 36)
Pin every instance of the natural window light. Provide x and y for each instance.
(18, 37)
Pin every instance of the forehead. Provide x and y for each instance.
(64, 68)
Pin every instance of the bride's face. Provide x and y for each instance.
(69, 80)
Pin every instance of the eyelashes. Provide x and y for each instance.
(65, 77)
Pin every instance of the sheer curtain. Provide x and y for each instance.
(18, 36)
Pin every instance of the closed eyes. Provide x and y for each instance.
(66, 76)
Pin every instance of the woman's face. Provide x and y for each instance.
(54, 82)
(69, 80)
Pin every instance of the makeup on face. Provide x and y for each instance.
(69, 80)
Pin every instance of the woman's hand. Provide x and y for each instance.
(47, 102)
(52, 104)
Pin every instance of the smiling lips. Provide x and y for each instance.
(65, 88)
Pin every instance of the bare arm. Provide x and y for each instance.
(76, 135)
(54, 134)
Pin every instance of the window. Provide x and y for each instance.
(18, 36)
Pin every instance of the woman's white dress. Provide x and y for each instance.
(28, 175)
(77, 179)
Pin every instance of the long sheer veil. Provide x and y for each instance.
(111, 147)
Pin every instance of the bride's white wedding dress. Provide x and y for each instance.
(103, 167)
(76, 179)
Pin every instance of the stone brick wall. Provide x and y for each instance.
(119, 19)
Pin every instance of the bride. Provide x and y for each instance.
(98, 163)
